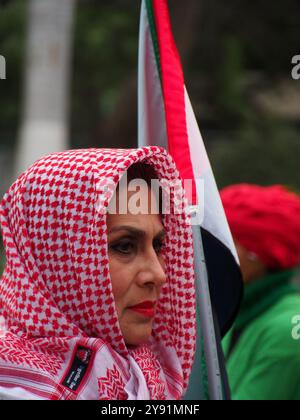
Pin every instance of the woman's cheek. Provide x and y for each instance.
(120, 276)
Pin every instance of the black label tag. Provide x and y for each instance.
(78, 369)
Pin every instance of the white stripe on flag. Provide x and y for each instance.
(214, 220)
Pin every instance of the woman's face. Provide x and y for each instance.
(137, 269)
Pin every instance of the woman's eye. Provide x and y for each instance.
(127, 248)
(123, 247)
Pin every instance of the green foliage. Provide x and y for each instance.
(263, 154)
(231, 90)
(105, 53)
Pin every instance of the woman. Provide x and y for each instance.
(263, 357)
(98, 304)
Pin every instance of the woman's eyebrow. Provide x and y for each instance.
(137, 232)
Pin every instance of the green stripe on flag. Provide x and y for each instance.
(151, 20)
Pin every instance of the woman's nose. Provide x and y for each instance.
(153, 271)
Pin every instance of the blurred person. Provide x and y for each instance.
(263, 357)
(98, 304)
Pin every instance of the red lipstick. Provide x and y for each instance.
(146, 309)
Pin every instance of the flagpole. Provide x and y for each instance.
(203, 301)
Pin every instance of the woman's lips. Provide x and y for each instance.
(146, 309)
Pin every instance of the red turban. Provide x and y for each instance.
(266, 221)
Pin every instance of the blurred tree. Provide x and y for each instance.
(44, 126)
(104, 62)
(232, 53)
(254, 41)
(107, 38)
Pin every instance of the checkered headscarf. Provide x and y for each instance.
(56, 293)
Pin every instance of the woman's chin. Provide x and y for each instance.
(136, 339)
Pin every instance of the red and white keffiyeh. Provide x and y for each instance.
(62, 338)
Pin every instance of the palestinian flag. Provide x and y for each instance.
(166, 119)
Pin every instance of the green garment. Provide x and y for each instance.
(264, 364)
